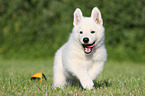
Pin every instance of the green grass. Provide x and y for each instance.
(117, 78)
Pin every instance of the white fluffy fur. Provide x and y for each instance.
(71, 61)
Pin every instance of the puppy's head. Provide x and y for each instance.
(88, 30)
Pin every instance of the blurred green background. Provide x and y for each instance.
(35, 29)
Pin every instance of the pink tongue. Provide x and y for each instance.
(87, 49)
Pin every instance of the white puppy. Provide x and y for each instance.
(84, 55)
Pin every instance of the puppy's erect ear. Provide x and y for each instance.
(96, 16)
(77, 16)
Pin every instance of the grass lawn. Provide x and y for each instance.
(117, 78)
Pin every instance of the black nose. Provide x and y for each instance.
(86, 40)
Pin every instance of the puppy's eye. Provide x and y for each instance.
(92, 32)
(81, 32)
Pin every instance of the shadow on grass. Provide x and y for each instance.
(102, 83)
(97, 84)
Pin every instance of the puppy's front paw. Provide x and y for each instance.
(88, 85)
(58, 85)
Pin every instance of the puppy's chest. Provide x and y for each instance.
(87, 62)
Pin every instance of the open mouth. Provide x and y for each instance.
(88, 47)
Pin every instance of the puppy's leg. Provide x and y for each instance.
(82, 74)
(59, 78)
(95, 70)
(85, 80)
